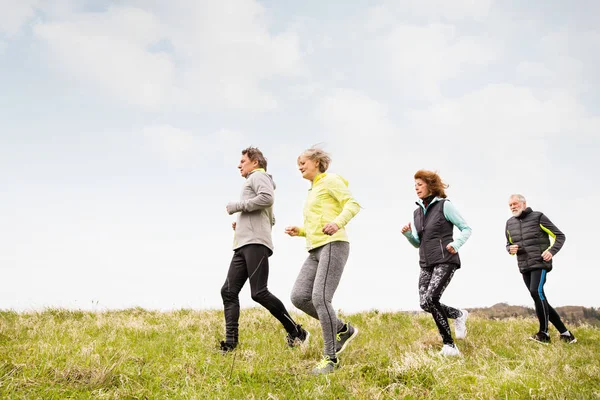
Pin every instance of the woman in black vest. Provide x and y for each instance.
(434, 221)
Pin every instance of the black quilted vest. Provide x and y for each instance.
(435, 232)
(525, 231)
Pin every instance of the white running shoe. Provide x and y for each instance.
(450, 350)
(460, 325)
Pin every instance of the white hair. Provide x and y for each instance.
(519, 197)
(319, 155)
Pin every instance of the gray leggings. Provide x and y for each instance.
(314, 288)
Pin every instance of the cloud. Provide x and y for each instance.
(14, 14)
(216, 54)
(496, 127)
(367, 139)
(495, 112)
(390, 13)
(419, 59)
(351, 113)
(504, 133)
(454, 11)
(173, 143)
(499, 111)
(419, 46)
(109, 51)
(227, 52)
(573, 59)
(535, 72)
(182, 146)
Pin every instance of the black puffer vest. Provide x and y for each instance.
(435, 233)
(525, 231)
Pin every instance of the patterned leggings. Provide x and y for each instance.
(432, 283)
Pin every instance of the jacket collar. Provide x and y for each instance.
(318, 178)
(254, 170)
(422, 205)
(525, 213)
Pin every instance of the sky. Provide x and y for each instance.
(122, 124)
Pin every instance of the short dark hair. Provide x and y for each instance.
(254, 154)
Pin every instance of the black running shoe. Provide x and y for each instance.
(299, 338)
(569, 338)
(227, 347)
(540, 337)
(344, 336)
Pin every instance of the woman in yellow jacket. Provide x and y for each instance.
(329, 207)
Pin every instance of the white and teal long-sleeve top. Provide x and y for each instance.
(452, 215)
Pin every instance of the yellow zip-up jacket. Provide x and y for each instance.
(328, 200)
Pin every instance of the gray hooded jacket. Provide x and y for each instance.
(255, 220)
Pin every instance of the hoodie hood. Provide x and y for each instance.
(266, 173)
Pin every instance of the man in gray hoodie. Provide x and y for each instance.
(252, 248)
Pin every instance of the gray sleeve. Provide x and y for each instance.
(262, 185)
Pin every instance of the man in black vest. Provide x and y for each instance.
(535, 240)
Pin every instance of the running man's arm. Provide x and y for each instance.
(557, 238)
(509, 242)
(452, 215)
(508, 238)
(265, 196)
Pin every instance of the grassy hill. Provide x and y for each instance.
(139, 354)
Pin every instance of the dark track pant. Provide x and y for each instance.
(250, 262)
(432, 283)
(535, 280)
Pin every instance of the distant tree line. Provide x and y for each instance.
(571, 314)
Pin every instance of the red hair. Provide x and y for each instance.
(434, 183)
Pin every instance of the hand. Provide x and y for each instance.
(292, 230)
(232, 207)
(330, 228)
(546, 256)
(513, 248)
(451, 249)
(233, 225)
(406, 228)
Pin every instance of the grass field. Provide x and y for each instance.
(139, 354)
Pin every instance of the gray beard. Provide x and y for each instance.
(517, 213)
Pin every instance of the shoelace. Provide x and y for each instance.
(325, 362)
(338, 335)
